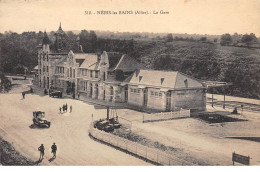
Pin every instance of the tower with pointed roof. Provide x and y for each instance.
(60, 40)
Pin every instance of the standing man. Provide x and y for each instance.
(41, 149)
(60, 110)
(53, 150)
(23, 94)
(70, 108)
(66, 107)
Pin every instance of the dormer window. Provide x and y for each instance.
(162, 79)
(186, 83)
(140, 78)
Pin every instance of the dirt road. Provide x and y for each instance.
(69, 131)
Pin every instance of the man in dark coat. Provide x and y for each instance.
(53, 150)
(41, 149)
(23, 94)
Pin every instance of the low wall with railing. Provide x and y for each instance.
(145, 152)
(166, 115)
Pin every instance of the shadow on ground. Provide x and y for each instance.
(255, 139)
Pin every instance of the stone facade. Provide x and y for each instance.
(115, 77)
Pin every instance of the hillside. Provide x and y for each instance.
(206, 61)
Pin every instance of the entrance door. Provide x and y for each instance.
(145, 97)
(168, 101)
(96, 88)
(126, 94)
(90, 90)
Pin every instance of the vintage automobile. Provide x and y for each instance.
(101, 124)
(56, 94)
(39, 119)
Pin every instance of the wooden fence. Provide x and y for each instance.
(148, 153)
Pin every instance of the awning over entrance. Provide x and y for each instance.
(210, 84)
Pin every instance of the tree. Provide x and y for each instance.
(226, 39)
(203, 39)
(169, 38)
(247, 39)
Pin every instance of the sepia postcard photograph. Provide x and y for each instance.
(135, 83)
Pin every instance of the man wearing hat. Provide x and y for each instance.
(41, 149)
(54, 149)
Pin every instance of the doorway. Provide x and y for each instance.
(168, 101)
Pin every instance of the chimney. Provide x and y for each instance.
(98, 55)
(80, 46)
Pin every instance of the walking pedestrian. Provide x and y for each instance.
(53, 150)
(70, 108)
(66, 107)
(63, 108)
(41, 149)
(60, 110)
(23, 95)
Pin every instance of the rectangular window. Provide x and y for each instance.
(47, 68)
(139, 90)
(70, 72)
(160, 94)
(134, 90)
(131, 90)
(152, 93)
(156, 93)
(96, 74)
(91, 74)
(73, 73)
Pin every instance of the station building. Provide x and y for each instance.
(114, 77)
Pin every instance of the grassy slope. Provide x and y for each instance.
(206, 61)
(9, 156)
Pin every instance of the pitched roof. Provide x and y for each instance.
(166, 79)
(90, 62)
(128, 64)
(61, 61)
(80, 55)
(113, 58)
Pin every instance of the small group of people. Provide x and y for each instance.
(64, 108)
(42, 149)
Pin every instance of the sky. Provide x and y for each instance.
(185, 16)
